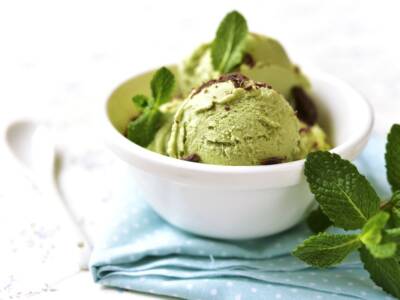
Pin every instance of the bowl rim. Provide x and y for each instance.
(119, 143)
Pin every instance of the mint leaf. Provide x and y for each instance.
(372, 230)
(317, 221)
(392, 157)
(227, 47)
(386, 250)
(162, 85)
(141, 101)
(344, 195)
(324, 250)
(142, 130)
(372, 235)
(384, 272)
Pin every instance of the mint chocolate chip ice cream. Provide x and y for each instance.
(235, 121)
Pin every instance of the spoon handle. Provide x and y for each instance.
(84, 241)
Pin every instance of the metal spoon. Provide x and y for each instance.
(32, 145)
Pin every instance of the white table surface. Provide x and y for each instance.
(60, 59)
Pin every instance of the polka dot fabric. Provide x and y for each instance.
(141, 252)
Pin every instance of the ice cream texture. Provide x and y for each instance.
(235, 121)
(312, 138)
(264, 60)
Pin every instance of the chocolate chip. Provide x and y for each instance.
(296, 69)
(227, 107)
(192, 157)
(237, 79)
(248, 60)
(273, 160)
(306, 110)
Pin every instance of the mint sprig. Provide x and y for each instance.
(228, 45)
(347, 200)
(392, 157)
(142, 129)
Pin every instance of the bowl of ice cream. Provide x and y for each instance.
(235, 202)
(224, 156)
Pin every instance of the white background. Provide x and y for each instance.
(60, 59)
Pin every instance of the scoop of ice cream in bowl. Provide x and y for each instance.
(223, 156)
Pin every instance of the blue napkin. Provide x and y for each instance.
(142, 252)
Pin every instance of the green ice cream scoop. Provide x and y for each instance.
(264, 60)
(235, 121)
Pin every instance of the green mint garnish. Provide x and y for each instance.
(348, 200)
(372, 235)
(372, 231)
(162, 86)
(392, 157)
(142, 130)
(344, 195)
(384, 272)
(324, 250)
(228, 45)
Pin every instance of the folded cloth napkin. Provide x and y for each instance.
(142, 252)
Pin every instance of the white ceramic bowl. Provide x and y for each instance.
(235, 202)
